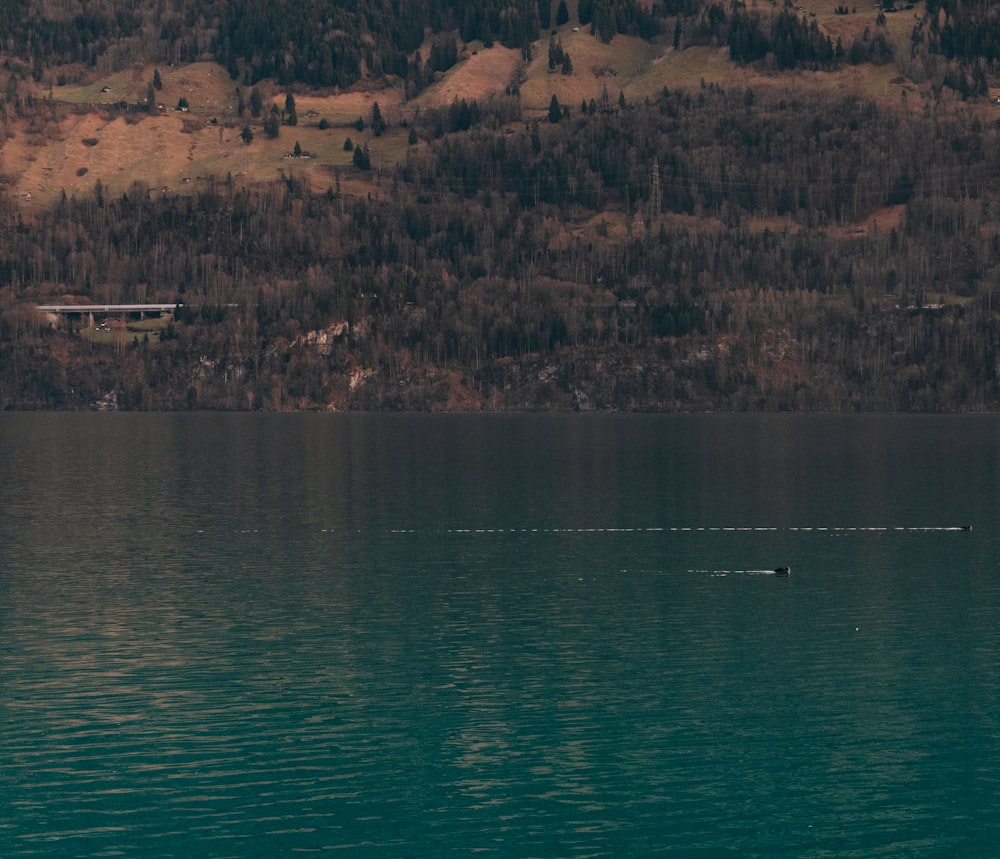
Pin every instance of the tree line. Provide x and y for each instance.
(317, 43)
(322, 43)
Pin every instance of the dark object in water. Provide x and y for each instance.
(783, 571)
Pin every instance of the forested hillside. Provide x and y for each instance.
(780, 244)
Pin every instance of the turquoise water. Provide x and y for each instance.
(247, 635)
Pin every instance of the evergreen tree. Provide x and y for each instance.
(555, 111)
(562, 13)
(555, 53)
(361, 158)
(272, 123)
(291, 118)
(544, 13)
(604, 24)
(256, 103)
(378, 124)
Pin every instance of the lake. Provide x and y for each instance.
(529, 635)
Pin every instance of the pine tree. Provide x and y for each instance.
(378, 124)
(555, 53)
(544, 13)
(361, 159)
(256, 103)
(272, 124)
(555, 111)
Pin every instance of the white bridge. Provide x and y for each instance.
(108, 308)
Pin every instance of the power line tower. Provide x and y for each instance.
(655, 193)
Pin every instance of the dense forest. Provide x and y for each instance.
(706, 248)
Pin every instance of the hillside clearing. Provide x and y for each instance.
(89, 138)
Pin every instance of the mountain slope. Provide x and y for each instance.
(648, 224)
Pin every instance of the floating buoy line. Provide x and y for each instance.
(671, 529)
(705, 529)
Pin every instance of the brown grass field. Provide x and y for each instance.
(84, 139)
